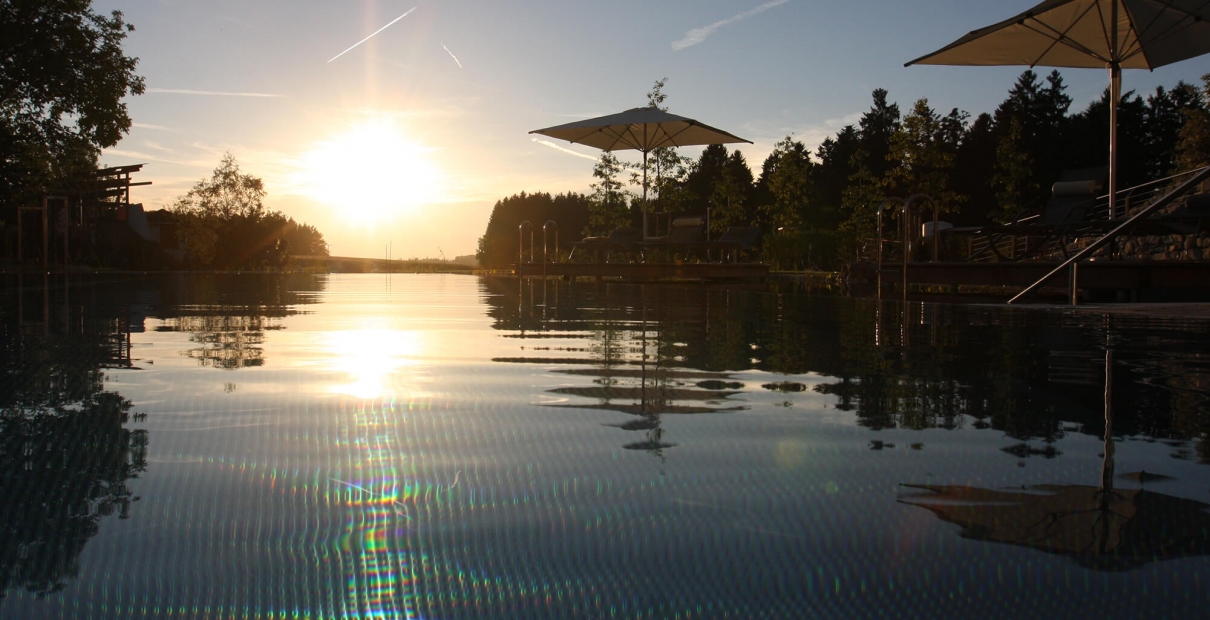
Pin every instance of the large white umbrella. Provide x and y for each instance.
(1114, 34)
(640, 129)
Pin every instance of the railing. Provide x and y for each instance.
(546, 229)
(521, 242)
(993, 247)
(906, 223)
(1074, 262)
(545, 254)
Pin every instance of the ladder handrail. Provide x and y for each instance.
(521, 242)
(1113, 234)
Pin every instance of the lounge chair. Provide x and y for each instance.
(1065, 216)
(734, 240)
(687, 234)
(619, 240)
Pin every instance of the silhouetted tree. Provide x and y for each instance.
(499, 245)
(226, 225)
(63, 77)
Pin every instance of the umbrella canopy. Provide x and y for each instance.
(1114, 34)
(640, 129)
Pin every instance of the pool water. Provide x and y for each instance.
(448, 446)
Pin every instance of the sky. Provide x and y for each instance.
(394, 126)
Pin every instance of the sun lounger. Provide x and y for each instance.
(734, 240)
(687, 235)
(1065, 216)
(619, 240)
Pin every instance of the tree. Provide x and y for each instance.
(498, 247)
(865, 193)
(665, 169)
(788, 177)
(1164, 118)
(1017, 185)
(974, 167)
(63, 76)
(226, 226)
(876, 128)
(922, 152)
(607, 209)
(1193, 145)
(1031, 125)
(730, 198)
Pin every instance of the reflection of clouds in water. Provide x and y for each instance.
(790, 453)
(370, 356)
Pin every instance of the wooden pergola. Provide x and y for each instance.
(80, 202)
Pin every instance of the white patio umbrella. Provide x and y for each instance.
(1114, 34)
(640, 129)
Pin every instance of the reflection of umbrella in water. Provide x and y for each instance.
(1105, 530)
(1114, 34)
(1099, 527)
(640, 129)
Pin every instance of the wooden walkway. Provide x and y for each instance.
(1110, 275)
(647, 271)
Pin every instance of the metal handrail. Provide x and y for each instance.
(1073, 262)
(878, 246)
(545, 255)
(545, 228)
(521, 242)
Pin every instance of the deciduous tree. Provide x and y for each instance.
(63, 76)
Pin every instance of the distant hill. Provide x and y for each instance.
(468, 260)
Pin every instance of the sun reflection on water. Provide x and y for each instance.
(370, 358)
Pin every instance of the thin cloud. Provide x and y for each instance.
(150, 126)
(208, 93)
(374, 33)
(559, 148)
(697, 35)
(447, 50)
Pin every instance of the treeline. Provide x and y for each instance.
(821, 205)
(224, 225)
(500, 243)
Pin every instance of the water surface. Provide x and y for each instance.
(441, 446)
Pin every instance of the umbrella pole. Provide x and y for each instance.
(1115, 96)
(644, 195)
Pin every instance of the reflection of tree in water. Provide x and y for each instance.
(63, 469)
(65, 455)
(226, 341)
(1031, 375)
(227, 315)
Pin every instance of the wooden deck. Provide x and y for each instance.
(1107, 275)
(647, 271)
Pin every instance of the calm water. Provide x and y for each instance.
(454, 447)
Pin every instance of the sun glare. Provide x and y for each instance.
(370, 359)
(371, 173)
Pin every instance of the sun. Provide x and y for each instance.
(371, 173)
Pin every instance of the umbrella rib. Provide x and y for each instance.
(1135, 47)
(1060, 39)
(1060, 36)
(672, 136)
(615, 137)
(1187, 20)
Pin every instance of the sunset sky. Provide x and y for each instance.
(411, 136)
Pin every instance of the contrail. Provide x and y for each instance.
(452, 55)
(214, 93)
(374, 33)
(559, 148)
(697, 35)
